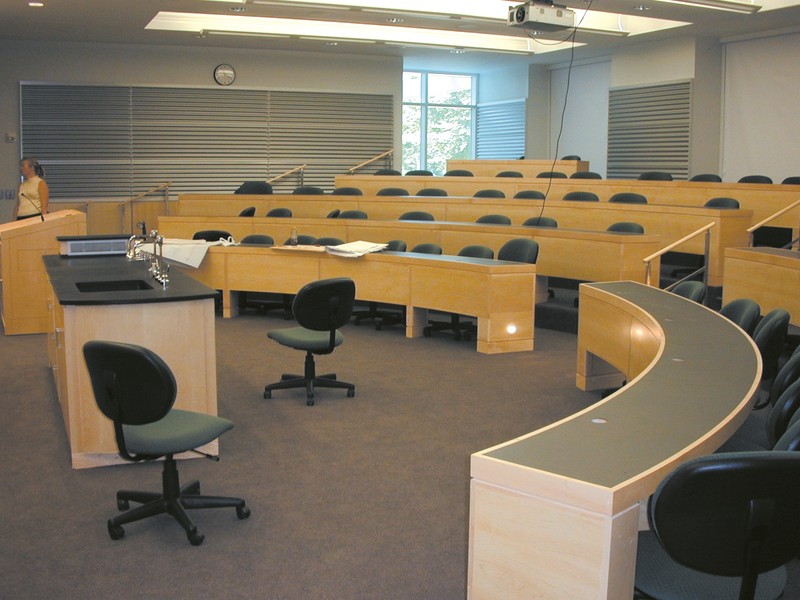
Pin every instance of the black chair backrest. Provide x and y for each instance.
(458, 173)
(392, 191)
(416, 215)
(250, 211)
(744, 312)
(489, 194)
(581, 197)
(494, 219)
(655, 176)
(755, 179)
(523, 250)
(432, 192)
(793, 180)
(787, 375)
(626, 227)
(427, 248)
(396, 245)
(347, 191)
(211, 235)
(279, 212)
(303, 240)
(477, 251)
(540, 222)
(731, 514)
(387, 172)
(529, 195)
(691, 290)
(509, 174)
(710, 177)
(571, 157)
(585, 175)
(329, 241)
(722, 202)
(628, 198)
(132, 385)
(353, 214)
(420, 173)
(333, 214)
(552, 175)
(308, 190)
(254, 187)
(325, 305)
(261, 239)
(770, 336)
(781, 413)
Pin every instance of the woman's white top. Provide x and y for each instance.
(28, 196)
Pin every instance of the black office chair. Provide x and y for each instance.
(346, 191)
(489, 194)
(793, 180)
(329, 241)
(628, 198)
(585, 175)
(254, 187)
(353, 214)
(755, 179)
(494, 220)
(212, 235)
(581, 197)
(136, 390)
(416, 215)
(392, 191)
(626, 227)
(722, 526)
(523, 250)
(279, 212)
(396, 246)
(334, 214)
(540, 222)
(264, 301)
(691, 290)
(387, 171)
(320, 308)
(722, 202)
(552, 175)
(432, 192)
(419, 173)
(529, 195)
(460, 329)
(302, 240)
(571, 157)
(260, 239)
(707, 177)
(744, 312)
(427, 248)
(516, 174)
(458, 173)
(770, 337)
(250, 211)
(308, 190)
(655, 176)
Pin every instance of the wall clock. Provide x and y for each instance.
(224, 74)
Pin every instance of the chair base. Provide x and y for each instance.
(380, 317)
(309, 380)
(256, 302)
(174, 500)
(462, 330)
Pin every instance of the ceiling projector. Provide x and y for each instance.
(541, 16)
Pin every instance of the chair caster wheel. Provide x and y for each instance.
(267, 394)
(115, 531)
(351, 393)
(195, 539)
(242, 512)
(123, 504)
(310, 402)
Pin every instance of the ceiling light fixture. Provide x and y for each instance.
(726, 5)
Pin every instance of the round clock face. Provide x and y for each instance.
(224, 74)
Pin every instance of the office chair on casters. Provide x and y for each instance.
(211, 235)
(755, 179)
(416, 215)
(431, 192)
(308, 190)
(516, 174)
(744, 312)
(494, 219)
(626, 227)
(523, 250)
(353, 214)
(628, 198)
(722, 526)
(279, 212)
(320, 308)
(392, 191)
(585, 175)
(655, 176)
(707, 177)
(136, 389)
(691, 290)
(540, 222)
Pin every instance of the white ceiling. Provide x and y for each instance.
(125, 21)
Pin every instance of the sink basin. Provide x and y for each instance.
(124, 285)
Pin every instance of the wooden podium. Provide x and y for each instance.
(22, 245)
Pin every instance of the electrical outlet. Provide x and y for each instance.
(9, 194)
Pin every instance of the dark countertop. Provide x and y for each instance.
(98, 274)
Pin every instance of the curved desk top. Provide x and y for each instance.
(568, 493)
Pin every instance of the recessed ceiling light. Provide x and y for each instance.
(395, 20)
(641, 8)
(458, 51)
(237, 9)
(36, 4)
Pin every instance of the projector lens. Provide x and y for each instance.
(520, 14)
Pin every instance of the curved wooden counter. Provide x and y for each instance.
(554, 514)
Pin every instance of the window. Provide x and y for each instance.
(438, 119)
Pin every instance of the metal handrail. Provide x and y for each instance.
(648, 260)
(761, 223)
(383, 155)
(162, 186)
(301, 168)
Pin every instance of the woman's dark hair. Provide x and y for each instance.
(37, 168)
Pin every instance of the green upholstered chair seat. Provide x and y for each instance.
(661, 578)
(179, 431)
(305, 339)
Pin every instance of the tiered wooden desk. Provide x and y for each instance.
(528, 168)
(554, 514)
(23, 273)
(770, 276)
(499, 293)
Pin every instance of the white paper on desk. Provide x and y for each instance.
(189, 253)
(354, 249)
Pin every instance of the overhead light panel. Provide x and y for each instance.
(726, 5)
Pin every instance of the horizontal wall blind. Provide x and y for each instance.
(649, 129)
(99, 141)
(500, 130)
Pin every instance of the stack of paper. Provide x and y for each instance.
(354, 249)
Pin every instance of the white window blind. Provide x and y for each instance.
(501, 130)
(97, 141)
(649, 130)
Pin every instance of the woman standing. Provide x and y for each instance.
(33, 194)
